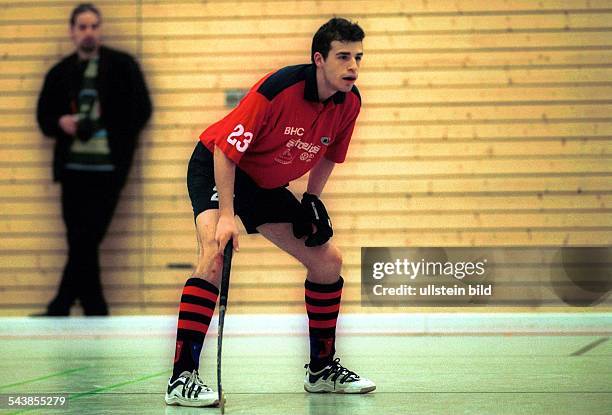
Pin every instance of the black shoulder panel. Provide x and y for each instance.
(281, 80)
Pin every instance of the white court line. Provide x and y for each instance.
(296, 324)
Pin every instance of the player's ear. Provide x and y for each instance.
(319, 60)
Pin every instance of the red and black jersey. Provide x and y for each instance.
(280, 130)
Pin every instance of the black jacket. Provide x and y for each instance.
(124, 102)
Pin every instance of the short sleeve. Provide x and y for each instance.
(236, 131)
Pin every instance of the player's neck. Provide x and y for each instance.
(324, 91)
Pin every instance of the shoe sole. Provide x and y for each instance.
(179, 402)
(324, 389)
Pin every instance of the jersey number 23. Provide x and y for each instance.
(233, 138)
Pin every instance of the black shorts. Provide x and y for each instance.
(253, 204)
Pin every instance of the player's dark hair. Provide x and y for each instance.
(83, 8)
(339, 29)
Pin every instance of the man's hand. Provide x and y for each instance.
(68, 124)
(226, 230)
(314, 213)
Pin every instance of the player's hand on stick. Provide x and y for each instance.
(226, 230)
(317, 215)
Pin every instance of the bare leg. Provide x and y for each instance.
(209, 262)
(198, 298)
(323, 289)
(323, 263)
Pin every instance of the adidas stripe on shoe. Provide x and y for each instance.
(189, 390)
(335, 378)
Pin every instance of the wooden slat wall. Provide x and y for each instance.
(484, 123)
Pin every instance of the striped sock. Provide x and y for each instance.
(322, 306)
(195, 311)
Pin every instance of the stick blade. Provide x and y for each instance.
(222, 402)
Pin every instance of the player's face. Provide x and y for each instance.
(86, 32)
(341, 68)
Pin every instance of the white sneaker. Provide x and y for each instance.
(189, 390)
(335, 378)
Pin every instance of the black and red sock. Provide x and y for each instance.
(322, 306)
(195, 312)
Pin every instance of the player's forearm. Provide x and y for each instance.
(225, 174)
(318, 176)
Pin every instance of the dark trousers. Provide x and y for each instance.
(89, 200)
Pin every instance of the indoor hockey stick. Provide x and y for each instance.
(225, 279)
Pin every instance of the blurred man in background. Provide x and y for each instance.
(93, 103)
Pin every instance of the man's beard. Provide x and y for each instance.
(88, 45)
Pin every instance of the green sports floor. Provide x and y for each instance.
(422, 364)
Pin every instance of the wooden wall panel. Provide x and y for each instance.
(483, 123)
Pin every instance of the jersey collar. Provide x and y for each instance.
(311, 92)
